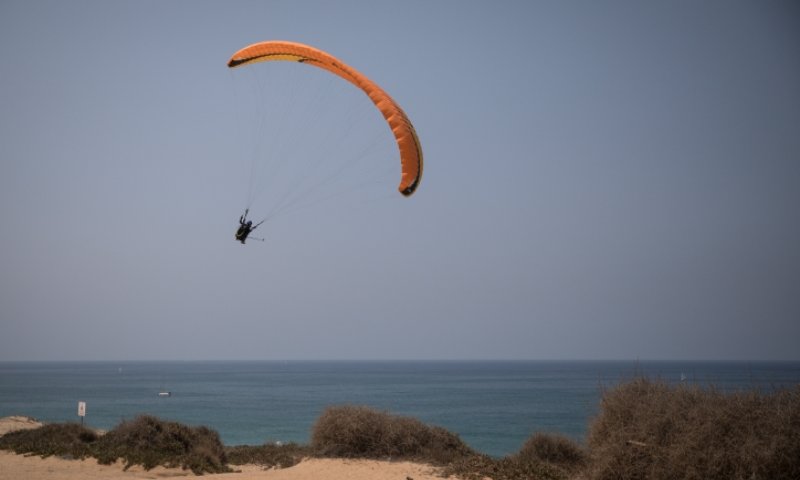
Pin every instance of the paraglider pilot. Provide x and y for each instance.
(245, 227)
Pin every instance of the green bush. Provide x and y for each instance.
(652, 430)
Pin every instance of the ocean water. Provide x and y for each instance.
(493, 406)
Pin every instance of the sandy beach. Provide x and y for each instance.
(13, 466)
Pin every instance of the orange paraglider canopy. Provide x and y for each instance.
(404, 133)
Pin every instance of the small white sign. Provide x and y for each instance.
(81, 409)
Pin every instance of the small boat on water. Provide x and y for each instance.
(164, 394)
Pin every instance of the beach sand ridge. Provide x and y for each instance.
(15, 467)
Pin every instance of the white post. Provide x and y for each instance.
(81, 410)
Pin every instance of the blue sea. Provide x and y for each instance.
(494, 406)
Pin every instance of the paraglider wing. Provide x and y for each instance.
(404, 133)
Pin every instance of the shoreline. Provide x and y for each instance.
(573, 394)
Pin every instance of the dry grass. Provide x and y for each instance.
(481, 467)
(270, 455)
(651, 430)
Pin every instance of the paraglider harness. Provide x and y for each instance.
(246, 227)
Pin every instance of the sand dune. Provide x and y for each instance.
(15, 467)
(17, 422)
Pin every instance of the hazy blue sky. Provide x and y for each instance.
(604, 179)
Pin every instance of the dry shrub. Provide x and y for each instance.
(68, 440)
(542, 457)
(554, 449)
(361, 432)
(151, 442)
(482, 467)
(651, 430)
(269, 455)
